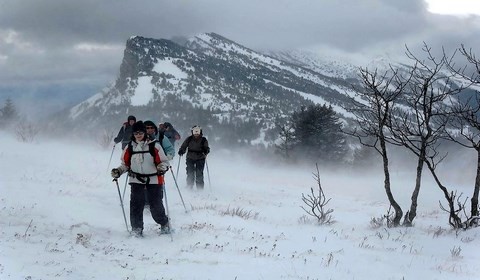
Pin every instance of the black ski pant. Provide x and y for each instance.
(195, 172)
(137, 203)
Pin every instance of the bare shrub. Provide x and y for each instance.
(467, 239)
(376, 223)
(105, 139)
(240, 212)
(316, 202)
(364, 244)
(26, 132)
(203, 207)
(304, 219)
(455, 252)
(385, 220)
(438, 232)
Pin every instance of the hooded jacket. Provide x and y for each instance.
(196, 147)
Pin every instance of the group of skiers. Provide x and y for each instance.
(147, 150)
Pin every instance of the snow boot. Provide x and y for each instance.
(165, 229)
(137, 232)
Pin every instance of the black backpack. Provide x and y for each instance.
(151, 150)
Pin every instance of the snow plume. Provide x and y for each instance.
(61, 219)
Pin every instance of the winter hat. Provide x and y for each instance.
(131, 118)
(139, 126)
(150, 123)
(196, 130)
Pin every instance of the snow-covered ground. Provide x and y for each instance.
(61, 218)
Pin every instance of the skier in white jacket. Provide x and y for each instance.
(146, 163)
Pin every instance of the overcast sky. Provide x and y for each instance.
(73, 44)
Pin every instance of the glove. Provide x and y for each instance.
(170, 157)
(162, 168)
(115, 173)
(181, 153)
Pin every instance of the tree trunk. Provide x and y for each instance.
(454, 220)
(474, 209)
(412, 213)
(396, 207)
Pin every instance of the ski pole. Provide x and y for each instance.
(178, 166)
(121, 203)
(175, 180)
(168, 212)
(208, 173)
(124, 188)
(110, 161)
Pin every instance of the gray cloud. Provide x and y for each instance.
(61, 42)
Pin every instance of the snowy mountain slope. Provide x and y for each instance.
(61, 219)
(220, 80)
(227, 50)
(327, 65)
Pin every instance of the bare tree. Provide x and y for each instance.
(372, 111)
(316, 203)
(421, 125)
(466, 122)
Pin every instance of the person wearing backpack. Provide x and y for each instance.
(154, 134)
(197, 149)
(125, 133)
(169, 132)
(146, 163)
